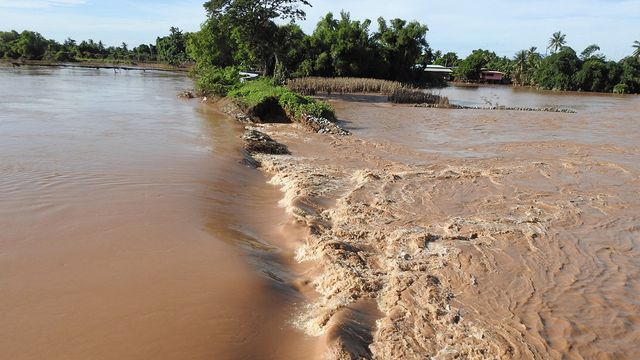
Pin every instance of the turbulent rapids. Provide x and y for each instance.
(131, 229)
(449, 234)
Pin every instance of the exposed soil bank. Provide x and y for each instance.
(468, 234)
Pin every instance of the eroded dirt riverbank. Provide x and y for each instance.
(472, 234)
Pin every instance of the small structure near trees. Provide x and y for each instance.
(491, 76)
(438, 73)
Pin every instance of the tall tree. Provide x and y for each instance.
(401, 44)
(533, 63)
(589, 51)
(471, 67)
(211, 46)
(520, 68)
(290, 49)
(342, 47)
(253, 24)
(449, 59)
(30, 45)
(557, 41)
(172, 48)
(630, 76)
(556, 71)
(593, 76)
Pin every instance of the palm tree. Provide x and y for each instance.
(636, 46)
(533, 62)
(520, 66)
(557, 41)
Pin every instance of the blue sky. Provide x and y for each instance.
(461, 26)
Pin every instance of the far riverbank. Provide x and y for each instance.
(139, 66)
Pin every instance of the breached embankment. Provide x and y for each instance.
(378, 262)
(376, 275)
(421, 255)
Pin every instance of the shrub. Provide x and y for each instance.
(64, 56)
(217, 81)
(620, 89)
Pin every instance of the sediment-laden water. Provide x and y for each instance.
(471, 234)
(129, 228)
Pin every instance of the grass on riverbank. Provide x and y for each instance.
(261, 97)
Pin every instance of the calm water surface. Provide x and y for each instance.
(129, 228)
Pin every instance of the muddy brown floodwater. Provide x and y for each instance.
(129, 229)
(470, 233)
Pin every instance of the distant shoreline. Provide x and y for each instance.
(96, 65)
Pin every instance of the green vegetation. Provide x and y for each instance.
(172, 49)
(449, 59)
(557, 41)
(565, 70)
(261, 96)
(29, 45)
(251, 25)
(244, 33)
(470, 68)
(249, 35)
(556, 71)
(217, 81)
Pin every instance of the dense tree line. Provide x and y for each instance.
(244, 34)
(29, 45)
(562, 69)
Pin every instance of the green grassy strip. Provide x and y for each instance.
(255, 93)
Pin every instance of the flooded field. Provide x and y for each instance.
(476, 233)
(130, 230)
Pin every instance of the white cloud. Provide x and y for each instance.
(39, 4)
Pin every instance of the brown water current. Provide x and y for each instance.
(470, 233)
(129, 228)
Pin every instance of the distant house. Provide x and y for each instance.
(438, 72)
(491, 77)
